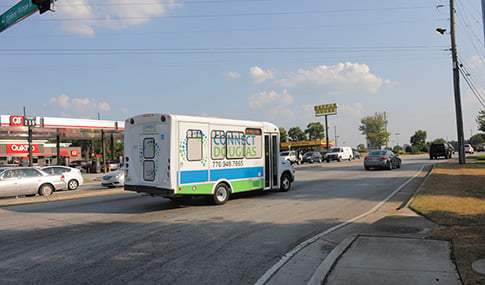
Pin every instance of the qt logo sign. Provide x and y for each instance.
(16, 120)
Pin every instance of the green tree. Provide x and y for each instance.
(296, 134)
(477, 139)
(418, 140)
(361, 147)
(315, 131)
(374, 128)
(481, 120)
(283, 135)
(439, 140)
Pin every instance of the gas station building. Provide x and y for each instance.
(50, 138)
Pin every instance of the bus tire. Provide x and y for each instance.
(285, 183)
(221, 194)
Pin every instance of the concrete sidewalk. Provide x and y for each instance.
(388, 246)
(390, 251)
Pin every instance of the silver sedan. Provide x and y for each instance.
(29, 181)
(382, 159)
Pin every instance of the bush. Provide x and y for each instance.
(397, 149)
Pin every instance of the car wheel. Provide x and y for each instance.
(46, 190)
(366, 167)
(389, 166)
(221, 194)
(285, 183)
(398, 165)
(72, 184)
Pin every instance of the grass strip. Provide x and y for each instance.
(453, 197)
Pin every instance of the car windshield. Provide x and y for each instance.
(284, 153)
(377, 152)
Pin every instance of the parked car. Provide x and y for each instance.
(481, 147)
(339, 153)
(440, 149)
(114, 178)
(382, 159)
(29, 181)
(73, 176)
(289, 155)
(112, 165)
(311, 157)
(356, 154)
(468, 148)
(82, 165)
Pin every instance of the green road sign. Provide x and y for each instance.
(20, 11)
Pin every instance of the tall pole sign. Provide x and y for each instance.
(325, 110)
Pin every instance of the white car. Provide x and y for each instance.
(114, 178)
(289, 155)
(469, 148)
(29, 181)
(73, 176)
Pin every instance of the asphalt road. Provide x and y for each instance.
(134, 238)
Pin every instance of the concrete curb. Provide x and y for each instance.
(324, 268)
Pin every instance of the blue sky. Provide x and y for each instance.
(269, 60)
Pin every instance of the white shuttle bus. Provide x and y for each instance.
(175, 156)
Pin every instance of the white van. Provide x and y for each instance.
(339, 153)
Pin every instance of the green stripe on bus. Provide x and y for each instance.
(206, 188)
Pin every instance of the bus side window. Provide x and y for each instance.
(253, 143)
(218, 145)
(194, 145)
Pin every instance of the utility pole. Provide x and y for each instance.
(29, 140)
(456, 84)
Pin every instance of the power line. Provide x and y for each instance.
(259, 14)
(249, 50)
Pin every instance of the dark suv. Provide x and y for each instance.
(440, 149)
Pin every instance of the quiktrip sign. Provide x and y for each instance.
(21, 148)
(16, 121)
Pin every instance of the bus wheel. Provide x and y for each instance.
(221, 194)
(285, 182)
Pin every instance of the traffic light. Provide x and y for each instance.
(43, 5)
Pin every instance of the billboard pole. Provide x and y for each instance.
(325, 110)
(326, 131)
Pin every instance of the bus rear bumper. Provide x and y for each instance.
(154, 191)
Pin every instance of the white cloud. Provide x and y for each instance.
(339, 78)
(234, 75)
(79, 106)
(258, 75)
(62, 101)
(262, 99)
(354, 110)
(475, 61)
(112, 14)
